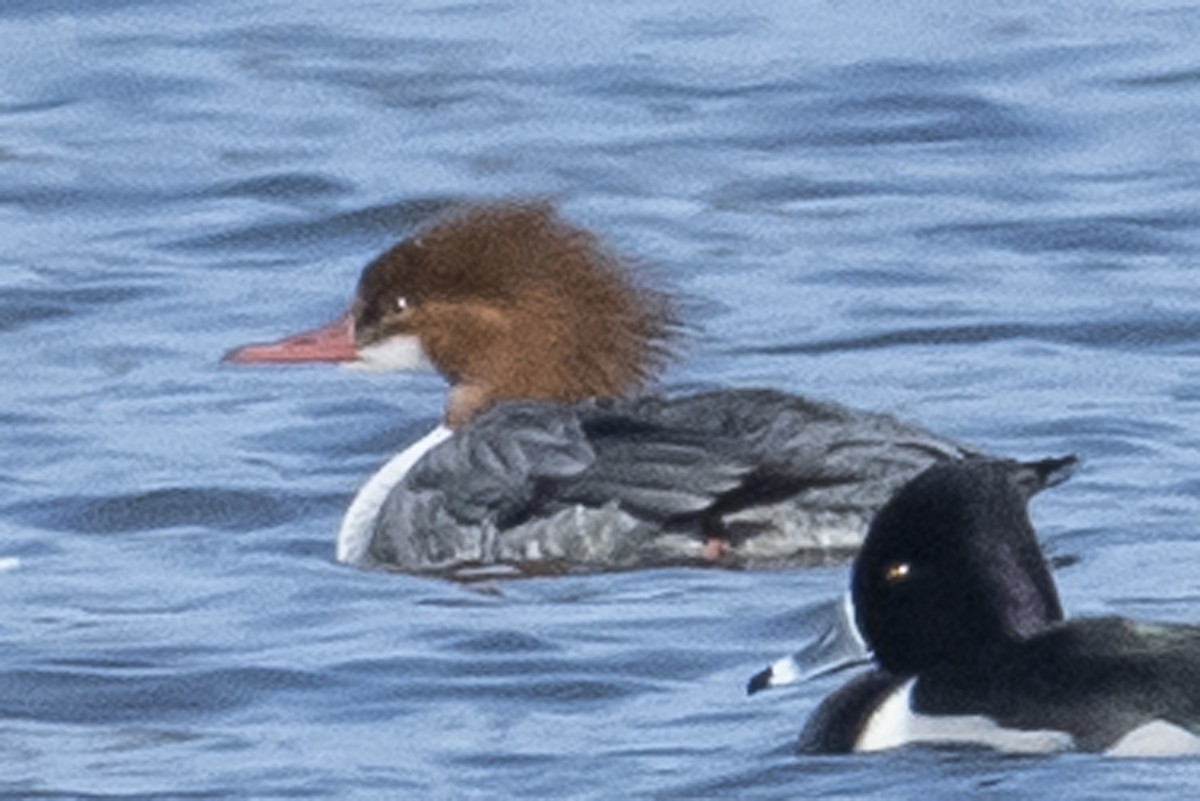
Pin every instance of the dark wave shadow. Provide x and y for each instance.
(209, 508)
(383, 221)
(1158, 331)
(23, 306)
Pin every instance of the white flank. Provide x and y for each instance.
(894, 724)
(358, 525)
(1158, 738)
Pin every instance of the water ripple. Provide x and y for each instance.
(384, 221)
(1176, 332)
(1106, 234)
(24, 306)
(987, 211)
(175, 507)
(120, 696)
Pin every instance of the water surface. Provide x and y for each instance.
(982, 218)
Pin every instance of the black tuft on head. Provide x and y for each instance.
(951, 564)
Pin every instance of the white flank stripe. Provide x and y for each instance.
(354, 536)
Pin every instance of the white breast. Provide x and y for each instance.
(1158, 738)
(354, 536)
(895, 724)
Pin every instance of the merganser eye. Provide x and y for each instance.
(402, 303)
(897, 572)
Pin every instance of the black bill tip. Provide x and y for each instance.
(759, 681)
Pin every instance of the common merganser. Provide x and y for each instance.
(548, 459)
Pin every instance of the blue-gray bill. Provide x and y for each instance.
(836, 645)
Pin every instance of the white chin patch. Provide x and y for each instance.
(393, 353)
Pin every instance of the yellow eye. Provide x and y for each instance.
(897, 572)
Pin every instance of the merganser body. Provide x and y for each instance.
(550, 456)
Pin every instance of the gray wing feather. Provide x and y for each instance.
(764, 457)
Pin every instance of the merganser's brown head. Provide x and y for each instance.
(506, 300)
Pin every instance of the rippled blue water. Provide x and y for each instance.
(981, 217)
